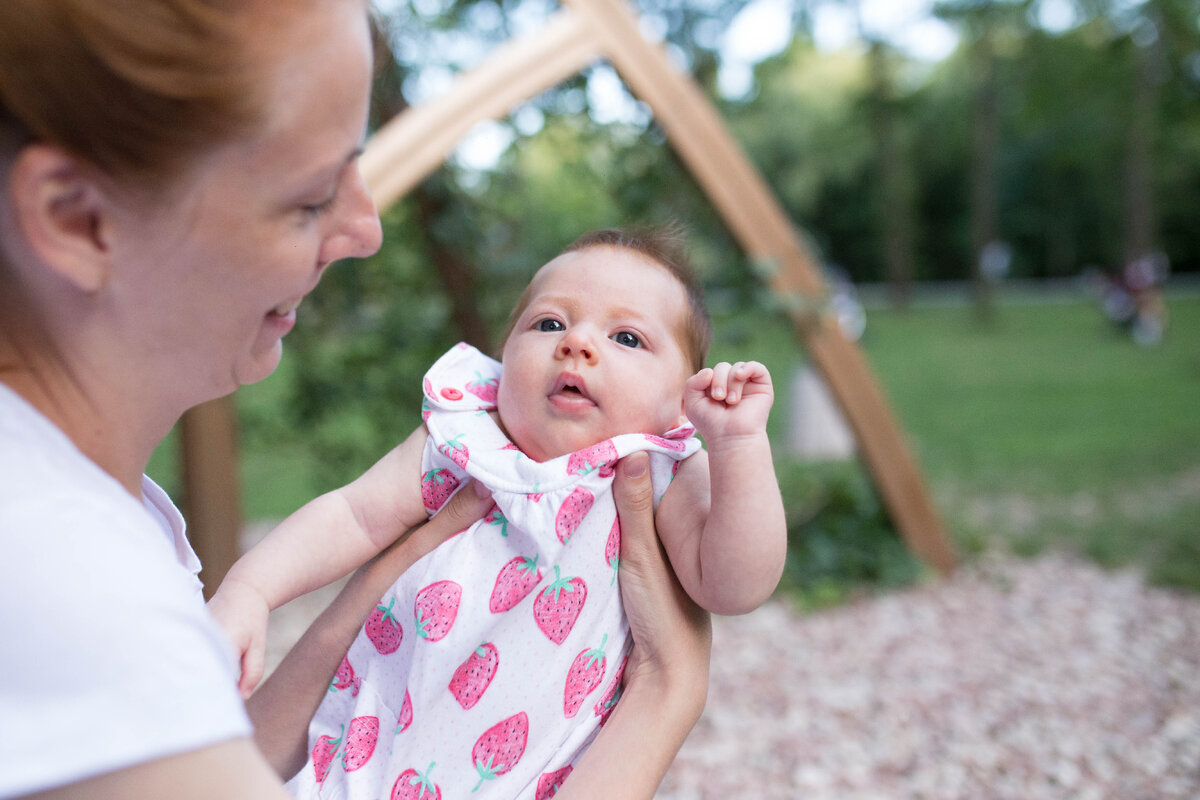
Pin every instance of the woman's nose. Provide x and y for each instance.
(358, 233)
(579, 343)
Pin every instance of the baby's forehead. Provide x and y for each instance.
(606, 265)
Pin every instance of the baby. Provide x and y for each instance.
(517, 621)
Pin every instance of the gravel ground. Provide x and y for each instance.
(1012, 679)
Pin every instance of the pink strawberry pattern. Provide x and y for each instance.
(345, 678)
(323, 753)
(413, 785)
(436, 608)
(597, 458)
(612, 694)
(485, 389)
(583, 677)
(383, 629)
(514, 583)
(612, 550)
(550, 782)
(360, 742)
(436, 487)
(496, 517)
(405, 718)
(556, 607)
(456, 451)
(668, 444)
(474, 675)
(574, 509)
(500, 747)
(520, 562)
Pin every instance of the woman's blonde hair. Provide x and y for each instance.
(133, 87)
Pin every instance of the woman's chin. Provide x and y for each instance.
(259, 365)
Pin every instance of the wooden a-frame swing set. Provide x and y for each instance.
(416, 142)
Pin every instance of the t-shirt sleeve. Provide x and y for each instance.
(108, 656)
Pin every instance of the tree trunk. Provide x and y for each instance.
(894, 195)
(1138, 212)
(985, 135)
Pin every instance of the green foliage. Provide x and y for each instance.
(840, 540)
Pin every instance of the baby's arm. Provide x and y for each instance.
(323, 541)
(722, 519)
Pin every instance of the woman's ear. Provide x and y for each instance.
(59, 210)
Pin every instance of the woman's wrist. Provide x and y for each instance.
(657, 710)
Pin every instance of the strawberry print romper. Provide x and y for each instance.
(490, 665)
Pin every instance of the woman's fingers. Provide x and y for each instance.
(670, 631)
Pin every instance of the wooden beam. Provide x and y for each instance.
(208, 446)
(417, 141)
(759, 223)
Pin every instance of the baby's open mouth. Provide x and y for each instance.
(570, 386)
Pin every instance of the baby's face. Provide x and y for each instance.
(596, 353)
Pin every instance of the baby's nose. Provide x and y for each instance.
(577, 343)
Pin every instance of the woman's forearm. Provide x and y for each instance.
(666, 677)
(285, 703)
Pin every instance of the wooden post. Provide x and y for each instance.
(208, 442)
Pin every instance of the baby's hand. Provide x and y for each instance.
(729, 400)
(242, 613)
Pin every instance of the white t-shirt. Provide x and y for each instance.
(108, 657)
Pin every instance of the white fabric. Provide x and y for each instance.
(108, 657)
(401, 703)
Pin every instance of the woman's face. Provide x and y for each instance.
(212, 278)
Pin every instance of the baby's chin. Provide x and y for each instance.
(538, 448)
(542, 452)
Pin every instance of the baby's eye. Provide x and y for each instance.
(548, 325)
(626, 338)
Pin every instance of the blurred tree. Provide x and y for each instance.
(896, 170)
(985, 24)
(808, 133)
(893, 174)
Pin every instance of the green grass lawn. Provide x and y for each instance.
(1048, 428)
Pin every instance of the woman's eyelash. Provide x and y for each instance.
(317, 209)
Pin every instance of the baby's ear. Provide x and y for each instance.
(682, 416)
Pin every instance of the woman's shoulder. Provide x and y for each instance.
(102, 627)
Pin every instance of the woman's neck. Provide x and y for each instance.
(100, 427)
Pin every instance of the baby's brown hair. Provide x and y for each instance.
(664, 245)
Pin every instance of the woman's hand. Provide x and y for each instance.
(285, 703)
(672, 636)
(666, 679)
